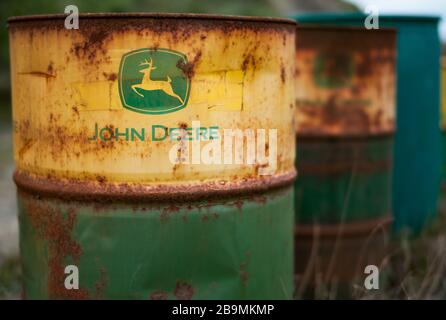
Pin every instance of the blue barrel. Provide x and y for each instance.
(417, 150)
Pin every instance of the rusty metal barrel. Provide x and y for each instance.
(418, 62)
(121, 171)
(345, 121)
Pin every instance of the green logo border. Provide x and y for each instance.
(328, 82)
(121, 94)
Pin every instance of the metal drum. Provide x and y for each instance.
(345, 119)
(418, 115)
(122, 166)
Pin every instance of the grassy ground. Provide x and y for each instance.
(414, 268)
(10, 278)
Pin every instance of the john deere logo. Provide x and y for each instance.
(151, 82)
(333, 70)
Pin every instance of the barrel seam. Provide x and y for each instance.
(108, 192)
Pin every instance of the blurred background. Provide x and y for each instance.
(415, 256)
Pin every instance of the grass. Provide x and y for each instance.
(10, 278)
(414, 268)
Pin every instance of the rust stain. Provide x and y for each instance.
(189, 68)
(97, 32)
(26, 146)
(249, 61)
(260, 199)
(346, 81)
(258, 166)
(101, 284)
(159, 295)
(238, 204)
(56, 229)
(94, 40)
(110, 76)
(75, 110)
(282, 73)
(50, 68)
(101, 179)
(167, 211)
(333, 117)
(378, 118)
(244, 276)
(38, 74)
(347, 38)
(183, 291)
(182, 125)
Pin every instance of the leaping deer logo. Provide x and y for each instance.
(148, 84)
(162, 91)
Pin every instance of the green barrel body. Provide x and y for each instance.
(343, 208)
(235, 248)
(343, 180)
(417, 151)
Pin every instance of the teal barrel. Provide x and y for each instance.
(417, 149)
(443, 126)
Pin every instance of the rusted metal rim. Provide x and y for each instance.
(318, 27)
(348, 229)
(335, 17)
(342, 136)
(107, 192)
(154, 15)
